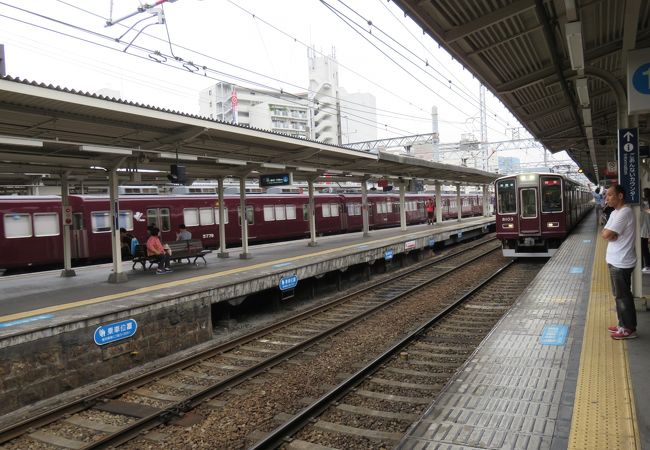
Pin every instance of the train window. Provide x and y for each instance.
(165, 221)
(206, 216)
(354, 209)
(46, 224)
(249, 215)
(17, 225)
(334, 209)
(280, 212)
(551, 195)
(269, 213)
(101, 221)
(159, 217)
(305, 212)
(528, 203)
(77, 221)
(389, 207)
(506, 197)
(291, 212)
(152, 217)
(191, 217)
(125, 220)
(216, 215)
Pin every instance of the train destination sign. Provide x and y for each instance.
(278, 179)
(115, 331)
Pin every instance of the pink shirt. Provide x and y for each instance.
(154, 246)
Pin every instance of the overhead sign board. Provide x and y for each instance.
(628, 164)
(115, 331)
(638, 81)
(278, 179)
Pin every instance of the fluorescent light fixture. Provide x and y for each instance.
(183, 156)
(101, 149)
(586, 116)
(583, 92)
(20, 141)
(306, 169)
(232, 162)
(333, 172)
(273, 166)
(573, 32)
(356, 174)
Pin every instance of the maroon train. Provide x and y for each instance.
(536, 211)
(30, 226)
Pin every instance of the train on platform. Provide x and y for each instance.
(31, 226)
(535, 212)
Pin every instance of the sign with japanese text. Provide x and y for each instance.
(289, 282)
(628, 164)
(280, 179)
(115, 331)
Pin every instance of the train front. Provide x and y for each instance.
(531, 220)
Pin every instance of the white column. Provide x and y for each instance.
(244, 223)
(458, 205)
(364, 208)
(438, 203)
(66, 215)
(312, 214)
(402, 205)
(116, 276)
(222, 221)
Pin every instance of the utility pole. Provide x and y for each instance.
(3, 68)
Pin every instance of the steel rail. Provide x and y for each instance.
(280, 435)
(21, 427)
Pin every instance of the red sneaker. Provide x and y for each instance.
(613, 329)
(624, 333)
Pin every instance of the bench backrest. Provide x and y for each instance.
(177, 246)
(195, 245)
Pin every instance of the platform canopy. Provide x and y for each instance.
(51, 130)
(559, 65)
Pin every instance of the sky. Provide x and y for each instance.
(254, 43)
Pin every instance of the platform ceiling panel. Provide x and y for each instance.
(138, 136)
(520, 50)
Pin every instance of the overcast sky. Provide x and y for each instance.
(255, 43)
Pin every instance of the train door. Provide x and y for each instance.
(529, 217)
(161, 219)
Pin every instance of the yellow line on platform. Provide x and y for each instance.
(603, 413)
(170, 284)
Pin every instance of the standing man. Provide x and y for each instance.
(183, 234)
(620, 234)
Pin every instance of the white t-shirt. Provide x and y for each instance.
(621, 252)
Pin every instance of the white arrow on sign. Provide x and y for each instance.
(628, 136)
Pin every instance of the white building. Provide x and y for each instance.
(327, 113)
(268, 110)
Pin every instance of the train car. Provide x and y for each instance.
(536, 211)
(31, 226)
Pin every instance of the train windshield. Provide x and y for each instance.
(506, 197)
(529, 203)
(551, 194)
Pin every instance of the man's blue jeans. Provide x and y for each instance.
(622, 289)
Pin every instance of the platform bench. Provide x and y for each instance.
(191, 250)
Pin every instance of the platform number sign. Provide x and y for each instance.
(628, 164)
(638, 81)
(288, 282)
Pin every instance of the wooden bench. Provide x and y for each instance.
(180, 250)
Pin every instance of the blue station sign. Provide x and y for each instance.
(289, 282)
(115, 331)
(628, 164)
(388, 255)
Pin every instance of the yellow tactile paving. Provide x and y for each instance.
(603, 413)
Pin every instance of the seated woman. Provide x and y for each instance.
(155, 248)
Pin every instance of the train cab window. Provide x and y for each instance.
(551, 194)
(216, 215)
(191, 217)
(528, 203)
(249, 215)
(101, 221)
(206, 216)
(46, 224)
(17, 225)
(506, 197)
(125, 220)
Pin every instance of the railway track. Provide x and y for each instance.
(124, 412)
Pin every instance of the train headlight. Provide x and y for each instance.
(508, 226)
(553, 224)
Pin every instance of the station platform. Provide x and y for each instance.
(549, 376)
(48, 323)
